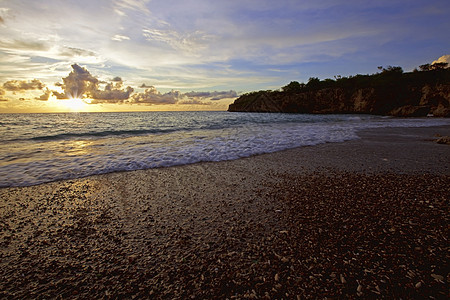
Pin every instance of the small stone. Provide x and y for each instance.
(343, 281)
(277, 277)
(132, 258)
(418, 285)
(437, 277)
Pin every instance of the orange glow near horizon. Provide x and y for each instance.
(54, 105)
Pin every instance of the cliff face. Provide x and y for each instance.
(403, 100)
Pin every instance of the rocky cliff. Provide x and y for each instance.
(403, 95)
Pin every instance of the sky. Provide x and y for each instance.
(133, 55)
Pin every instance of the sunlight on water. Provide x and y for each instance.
(78, 147)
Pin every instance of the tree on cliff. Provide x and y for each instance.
(313, 82)
(293, 86)
(439, 66)
(391, 69)
(435, 66)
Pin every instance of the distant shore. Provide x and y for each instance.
(367, 217)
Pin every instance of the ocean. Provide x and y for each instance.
(39, 148)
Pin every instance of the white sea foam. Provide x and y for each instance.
(73, 146)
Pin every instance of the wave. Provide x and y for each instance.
(97, 134)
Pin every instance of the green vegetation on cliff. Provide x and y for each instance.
(388, 92)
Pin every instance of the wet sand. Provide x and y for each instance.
(365, 218)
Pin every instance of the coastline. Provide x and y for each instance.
(241, 228)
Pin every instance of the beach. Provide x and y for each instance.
(362, 218)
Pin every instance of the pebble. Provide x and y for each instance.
(340, 235)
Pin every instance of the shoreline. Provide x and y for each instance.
(331, 220)
(328, 152)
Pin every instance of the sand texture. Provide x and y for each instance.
(365, 218)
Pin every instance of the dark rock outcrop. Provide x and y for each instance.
(406, 95)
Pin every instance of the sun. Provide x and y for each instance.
(75, 104)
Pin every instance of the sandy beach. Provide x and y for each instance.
(365, 218)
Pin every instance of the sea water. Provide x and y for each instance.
(38, 148)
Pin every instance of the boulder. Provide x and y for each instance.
(410, 111)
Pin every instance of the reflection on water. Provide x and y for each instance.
(75, 148)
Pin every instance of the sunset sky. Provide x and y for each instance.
(129, 55)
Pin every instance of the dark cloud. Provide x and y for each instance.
(113, 93)
(212, 95)
(81, 84)
(152, 96)
(117, 79)
(23, 85)
(144, 86)
(2, 21)
(44, 97)
(78, 83)
(59, 96)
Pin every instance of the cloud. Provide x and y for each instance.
(76, 52)
(152, 97)
(212, 95)
(185, 42)
(23, 85)
(121, 6)
(194, 102)
(2, 94)
(3, 11)
(22, 45)
(120, 38)
(443, 59)
(143, 86)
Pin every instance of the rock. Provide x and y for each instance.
(410, 111)
(441, 111)
(409, 95)
(443, 140)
